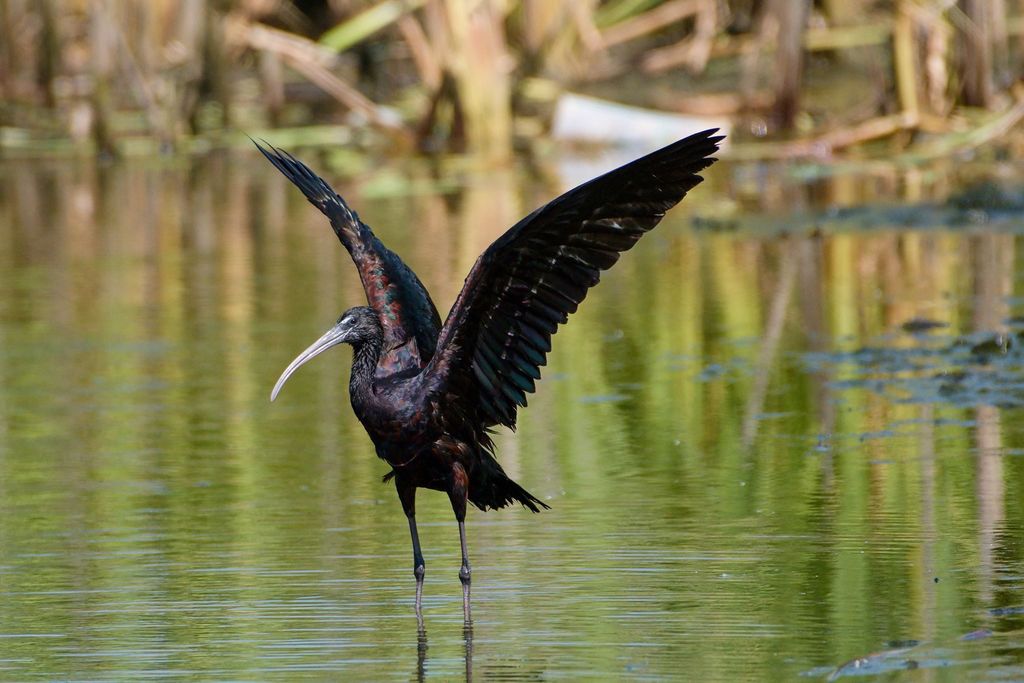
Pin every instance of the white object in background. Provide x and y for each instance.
(626, 132)
(579, 118)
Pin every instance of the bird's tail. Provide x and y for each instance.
(491, 488)
(493, 493)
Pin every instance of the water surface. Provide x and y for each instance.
(755, 470)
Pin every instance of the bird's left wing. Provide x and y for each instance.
(526, 284)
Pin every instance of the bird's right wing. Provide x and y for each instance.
(526, 284)
(403, 306)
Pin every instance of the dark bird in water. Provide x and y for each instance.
(429, 394)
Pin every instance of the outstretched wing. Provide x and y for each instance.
(408, 316)
(498, 333)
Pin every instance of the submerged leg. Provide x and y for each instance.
(407, 494)
(458, 493)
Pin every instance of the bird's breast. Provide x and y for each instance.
(398, 421)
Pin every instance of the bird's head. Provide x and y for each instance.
(356, 326)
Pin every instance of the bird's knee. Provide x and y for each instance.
(465, 574)
(419, 571)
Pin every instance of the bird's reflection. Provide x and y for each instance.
(422, 646)
(467, 639)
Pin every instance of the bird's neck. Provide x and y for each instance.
(364, 364)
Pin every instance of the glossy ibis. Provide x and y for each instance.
(428, 394)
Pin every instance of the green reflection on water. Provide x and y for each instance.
(723, 509)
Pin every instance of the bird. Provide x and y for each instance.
(431, 394)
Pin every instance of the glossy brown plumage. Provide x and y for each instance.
(427, 394)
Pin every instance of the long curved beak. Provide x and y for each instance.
(332, 337)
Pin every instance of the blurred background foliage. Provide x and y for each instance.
(482, 76)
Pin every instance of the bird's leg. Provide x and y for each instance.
(419, 567)
(458, 493)
(407, 494)
(464, 572)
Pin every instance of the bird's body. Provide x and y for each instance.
(404, 414)
(428, 394)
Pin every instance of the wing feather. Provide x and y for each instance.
(403, 306)
(498, 333)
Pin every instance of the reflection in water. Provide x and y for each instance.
(769, 344)
(725, 504)
(422, 646)
(467, 635)
(993, 284)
